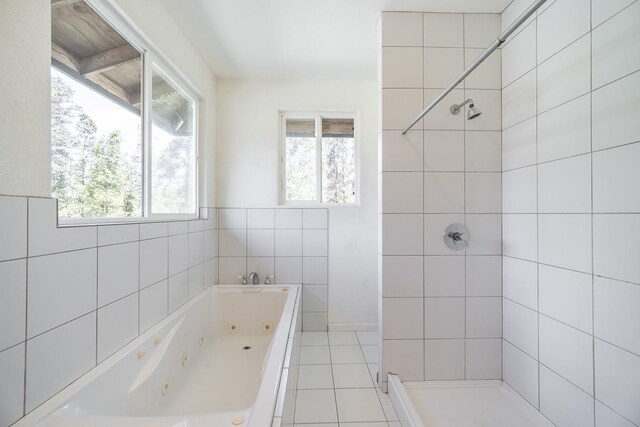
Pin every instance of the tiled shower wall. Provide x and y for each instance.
(571, 203)
(71, 297)
(289, 244)
(440, 310)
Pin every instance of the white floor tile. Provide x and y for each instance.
(370, 353)
(346, 354)
(387, 406)
(343, 338)
(315, 377)
(314, 355)
(314, 338)
(315, 406)
(367, 338)
(355, 405)
(352, 376)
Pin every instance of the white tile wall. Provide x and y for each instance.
(617, 380)
(565, 76)
(566, 295)
(60, 288)
(117, 271)
(81, 293)
(616, 314)
(71, 348)
(567, 352)
(582, 294)
(13, 304)
(613, 123)
(566, 130)
(519, 190)
(555, 31)
(617, 169)
(519, 145)
(117, 325)
(562, 402)
(564, 186)
(444, 359)
(12, 365)
(443, 29)
(520, 371)
(519, 55)
(612, 43)
(450, 172)
(443, 151)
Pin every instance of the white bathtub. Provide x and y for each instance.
(217, 361)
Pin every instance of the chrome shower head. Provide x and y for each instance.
(471, 114)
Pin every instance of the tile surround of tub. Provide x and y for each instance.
(433, 315)
(290, 244)
(571, 288)
(73, 296)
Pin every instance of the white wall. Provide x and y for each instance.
(571, 203)
(25, 48)
(248, 127)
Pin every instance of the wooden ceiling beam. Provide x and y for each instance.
(65, 57)
(107, 60)
(60, 3)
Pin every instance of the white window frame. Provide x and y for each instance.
(282, 161)
(113, 14)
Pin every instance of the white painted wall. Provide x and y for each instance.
(25, 34)
(246, 169)
(25, 49)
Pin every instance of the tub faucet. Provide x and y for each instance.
(254, 278)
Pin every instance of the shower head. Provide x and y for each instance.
(471, 114)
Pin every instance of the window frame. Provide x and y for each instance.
(317, 116)
(151, 57)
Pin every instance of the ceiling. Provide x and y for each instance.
(297, 39)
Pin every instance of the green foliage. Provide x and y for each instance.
(91, 177)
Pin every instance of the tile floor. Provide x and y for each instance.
(336, 382)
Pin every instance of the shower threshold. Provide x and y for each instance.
(489, 403)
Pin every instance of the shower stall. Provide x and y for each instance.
(504, 297)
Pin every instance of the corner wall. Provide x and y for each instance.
(571, 203)
(440, 310)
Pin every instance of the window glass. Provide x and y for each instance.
(96, 155)
(338, 161)
(173, 148)
(301, 162)
(123, 133)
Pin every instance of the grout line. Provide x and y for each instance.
(26, 316)
(593, 326)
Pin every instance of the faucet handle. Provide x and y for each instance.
(244, 279)
(268, 280)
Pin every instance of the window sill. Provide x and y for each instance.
(86, 222)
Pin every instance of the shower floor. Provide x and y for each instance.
(471, 404)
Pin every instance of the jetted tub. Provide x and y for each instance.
(217, 361)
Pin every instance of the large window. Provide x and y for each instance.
(318, 158)
(123, 130)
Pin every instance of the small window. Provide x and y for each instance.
(123, 137)
(318, 161)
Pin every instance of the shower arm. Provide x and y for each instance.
(496, 44)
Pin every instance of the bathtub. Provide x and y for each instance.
(220, 360)
(462, 403)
